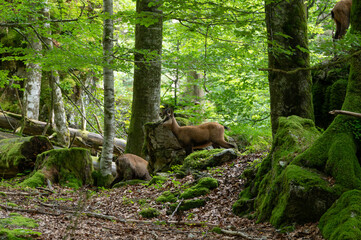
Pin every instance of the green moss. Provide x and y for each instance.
(194, 192)
(343, 219)
(217, 230)
(199, 159)
(166, 196)
(207, 182)
(70, 167)
(300, 190)
(158, 180)
(149, 213)
(130, 182)
(14, 226)
(35, 180)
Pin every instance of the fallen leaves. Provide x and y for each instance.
(114, 214)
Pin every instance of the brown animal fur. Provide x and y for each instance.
(130, 166)
(341, 15)
(192, 137)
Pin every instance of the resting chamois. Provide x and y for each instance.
(341, 15)
(130, 166)
(191, 137)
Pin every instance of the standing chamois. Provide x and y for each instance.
(191, 137)
(341, 13)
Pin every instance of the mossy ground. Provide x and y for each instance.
(17, 227)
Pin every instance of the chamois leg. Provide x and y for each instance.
(116, 180)
(189, 149)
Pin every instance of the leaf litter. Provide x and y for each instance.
(96, 213)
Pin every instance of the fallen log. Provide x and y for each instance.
(34, 127)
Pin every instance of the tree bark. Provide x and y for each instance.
(288, 49)
(109, 132)
(61, 127)
(33, 81)
(147, 73)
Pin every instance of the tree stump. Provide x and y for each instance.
(162, 148)
(18, 155)
(70, 167)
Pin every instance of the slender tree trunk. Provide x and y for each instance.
(288, 49)
(107, 151)
(61, 128)
(33, 81)
(147, 74)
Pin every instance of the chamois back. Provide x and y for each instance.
(130, 166)
(191, 137)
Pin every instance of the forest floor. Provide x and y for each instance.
(90, 213)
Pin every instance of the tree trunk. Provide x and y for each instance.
(147, 73)
(33, 81)
(299, 184)
(109, 132)
(61, 127)
(194, 92)
(287, 50)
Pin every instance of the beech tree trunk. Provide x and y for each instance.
(61, 127)
(147, 74)
(33, 80)
(109, 132)
(287, 50)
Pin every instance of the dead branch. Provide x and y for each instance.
(241, 234)
(35, 211)
(348, 113)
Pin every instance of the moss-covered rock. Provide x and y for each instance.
(18, 155)
(194, 192)
(130, 182)
(201, 160)
(304, 197)
(343, 219)
(149, 213)
(167, 196)
(70, 167)
(207, 182)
